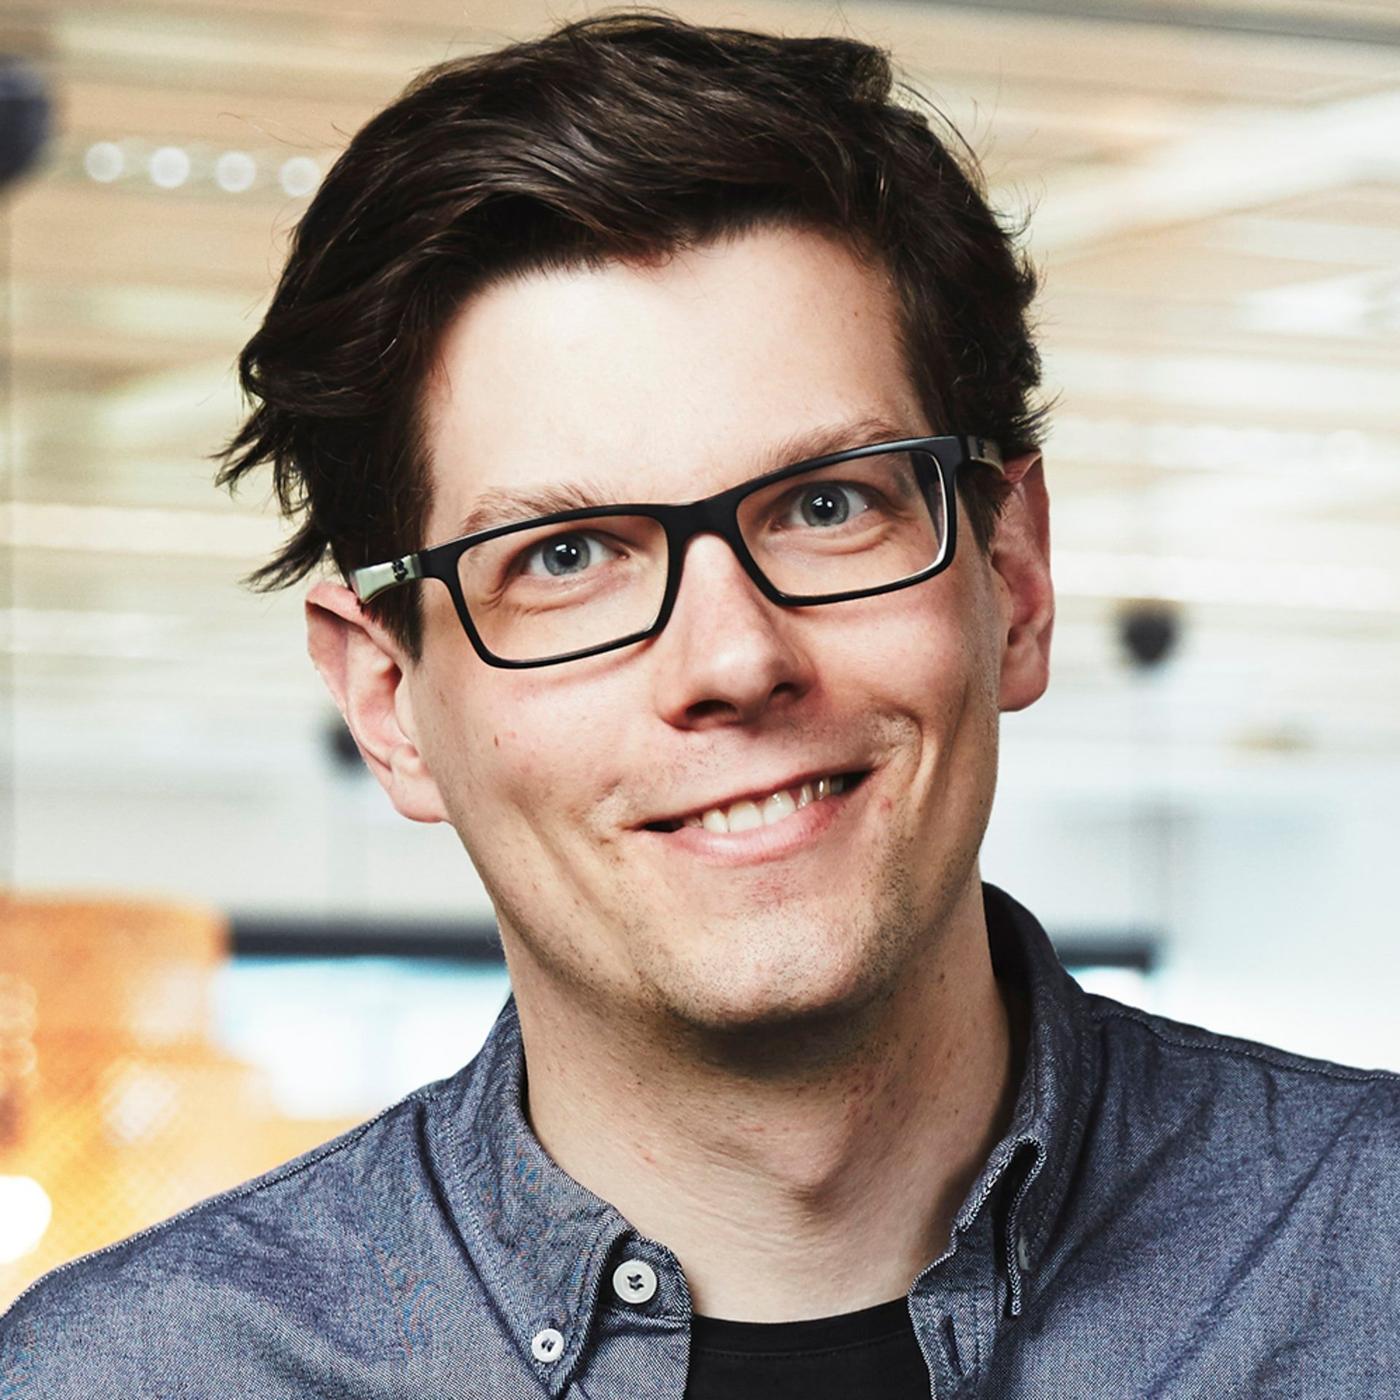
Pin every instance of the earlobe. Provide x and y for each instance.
(1020, 557)
(364, 671)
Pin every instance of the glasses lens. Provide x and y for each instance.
(859, 524)
(551, 590)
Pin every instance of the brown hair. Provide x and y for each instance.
(627, 135)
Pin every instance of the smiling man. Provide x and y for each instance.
(734, 863)
(663, 397)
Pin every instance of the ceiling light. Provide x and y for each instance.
(169, 167)
(235, 171)
(299, 176)
(104, 162)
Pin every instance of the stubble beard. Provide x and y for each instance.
(789, 1019)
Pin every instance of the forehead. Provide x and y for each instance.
(661, 381)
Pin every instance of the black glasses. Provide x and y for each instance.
(561, 587)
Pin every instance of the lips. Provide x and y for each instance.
(762, 806)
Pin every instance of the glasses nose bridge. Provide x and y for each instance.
(714, 515)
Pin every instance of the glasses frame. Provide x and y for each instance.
(718, 515)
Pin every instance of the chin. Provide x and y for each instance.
(777, 1007)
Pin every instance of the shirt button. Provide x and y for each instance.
(547, 1345)
(634, 1281)
(1023, 1253)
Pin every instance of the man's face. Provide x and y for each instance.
(667, 382)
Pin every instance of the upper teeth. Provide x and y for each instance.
(746, 814)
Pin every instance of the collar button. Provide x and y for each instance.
(634, 1281)
(547, 1345)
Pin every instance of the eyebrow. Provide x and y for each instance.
(834, 437)
(506, 506)
(501, 506)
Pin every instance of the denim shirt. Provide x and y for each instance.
(1169, 1213)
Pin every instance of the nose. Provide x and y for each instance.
(727, 654)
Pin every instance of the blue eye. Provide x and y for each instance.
(826, 503)
(566, 556)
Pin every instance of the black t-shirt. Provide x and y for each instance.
(866, 1355)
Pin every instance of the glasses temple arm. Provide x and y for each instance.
(375, 579)
(985, 453)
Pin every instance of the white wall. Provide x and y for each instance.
(1272, 888)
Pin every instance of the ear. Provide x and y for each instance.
(363, 668)
(1020, 559)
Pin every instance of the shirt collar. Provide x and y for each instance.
(544, 1245)
(1029, 1169)
(540, 1241)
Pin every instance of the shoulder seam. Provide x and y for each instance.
(1103, 1010)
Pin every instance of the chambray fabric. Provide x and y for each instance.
(1170, 1213)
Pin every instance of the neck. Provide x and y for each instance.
(801, 1184)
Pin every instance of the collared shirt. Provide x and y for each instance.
(1169, 1213)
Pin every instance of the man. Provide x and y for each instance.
(663, 396)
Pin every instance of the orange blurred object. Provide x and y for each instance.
(116, 1110)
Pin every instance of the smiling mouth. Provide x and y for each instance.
(764, 809)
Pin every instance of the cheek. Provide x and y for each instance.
(504, 776)
(469, 751)
(929, 651)
(929, 668)
(510, 757)
(963, 655)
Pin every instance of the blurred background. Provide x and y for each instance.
(219, 945)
